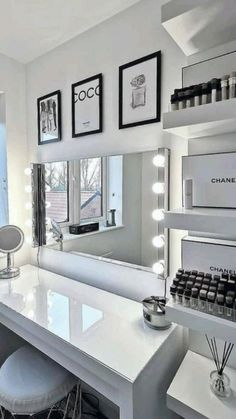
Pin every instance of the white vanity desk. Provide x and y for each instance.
(98, 336)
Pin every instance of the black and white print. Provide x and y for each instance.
(49, 118)
(140, 91)
(87, 98)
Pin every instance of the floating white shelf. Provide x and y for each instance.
(197, 25)
(202, 121)
(189, 394)
(202, 322)
(218, 221)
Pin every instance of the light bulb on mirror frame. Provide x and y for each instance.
(27, 171)
(28, 188)
(158, 188)
(29, 222)
(47, 188)
(159, 160)
(159, 267)
(158, 241)
(28, 205)
(47, 204)
(158, 214)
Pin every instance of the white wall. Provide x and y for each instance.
(129, 35)
(12, 83)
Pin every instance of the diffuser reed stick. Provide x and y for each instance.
(220, 362)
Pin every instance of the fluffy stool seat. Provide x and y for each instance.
(30, 382)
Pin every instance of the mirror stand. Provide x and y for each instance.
(10, 271)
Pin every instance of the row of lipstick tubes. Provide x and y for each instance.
(205, 306)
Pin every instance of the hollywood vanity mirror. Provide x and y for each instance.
(114, 196)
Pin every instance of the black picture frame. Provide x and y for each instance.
(56, 121)
(98, 77)
(157, 118)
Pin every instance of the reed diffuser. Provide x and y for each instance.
(220, 382)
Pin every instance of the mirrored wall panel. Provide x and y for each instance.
(103, 207)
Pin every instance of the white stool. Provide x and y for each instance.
(30, 383)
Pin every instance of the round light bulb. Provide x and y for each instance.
(28, 222)
(31, 314)
(47, 204)
(30, 297)
(48, 235)
(159, 160)
(28, 205)
(47, 188)
(158, 188)
(158, 214)
(158, 267)
(28, 188)
(47, 220)
(27, 171)
(28, 240)
(158, 241)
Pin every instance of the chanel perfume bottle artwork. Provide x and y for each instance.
(139, 91)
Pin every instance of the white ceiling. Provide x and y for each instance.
(30, 28)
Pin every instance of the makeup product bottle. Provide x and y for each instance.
(194, 298)
(181, 270)
(192, 277)
(232, 85)
(195, 273)
(202, 300)
(206, 281)
(211, 300)
(178, 275)
(220, 299)
(225, 275)
(216, 277)
(188, 193)
(229, 307)
(189, 98)
(176, 281)
(198, 285)
(221, 289)
(189, 285)
(209, 92)
(185, 277)
(208, 276)
(180, 292)
(199, 278)
(224, 87)
(181, 100)
(201, 274)
(214, 283)
(187, 295)
(214, 86)
(174, 103)
(204, 89)
(212, 289)
(187, 272)
(205, 287)
(197, 95)
(173, 289)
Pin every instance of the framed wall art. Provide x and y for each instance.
(87, 106)
(49, 118)
(140, 91)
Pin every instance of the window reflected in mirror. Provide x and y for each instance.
(57, 191)
(91, 188)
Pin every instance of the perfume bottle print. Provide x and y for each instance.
(138, 91)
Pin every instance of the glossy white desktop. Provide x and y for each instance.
(98, 336)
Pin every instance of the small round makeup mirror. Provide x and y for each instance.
(11, 240)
